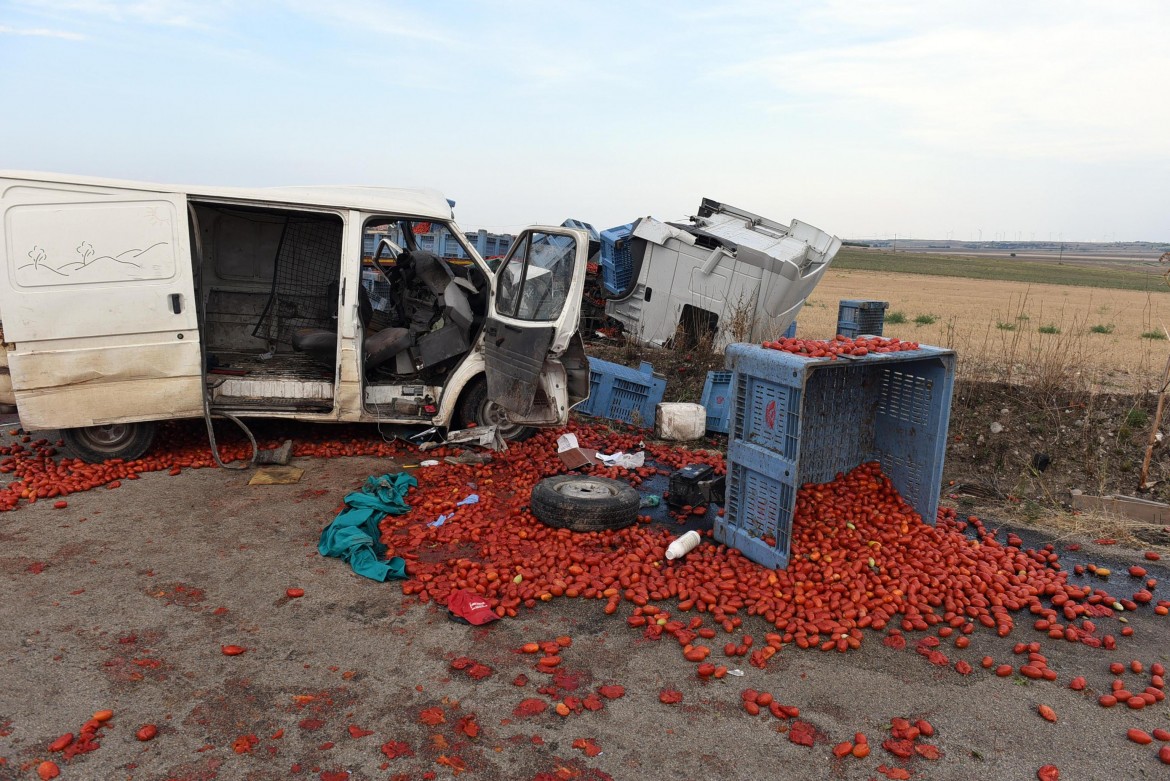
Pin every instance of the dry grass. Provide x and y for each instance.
(1093, 525)
(995, 326)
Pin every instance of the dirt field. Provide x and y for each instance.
(995, 322)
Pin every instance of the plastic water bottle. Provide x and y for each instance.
(682, 546)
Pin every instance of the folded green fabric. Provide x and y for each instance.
(354, 535)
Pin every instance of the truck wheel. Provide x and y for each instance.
(95, 444)
(475, 407)
(585, 504)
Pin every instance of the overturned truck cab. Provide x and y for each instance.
(125, 304)
(726, 275)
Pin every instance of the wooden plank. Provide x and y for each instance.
(1126, 506)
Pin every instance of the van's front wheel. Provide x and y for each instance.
(94, 444)
(475, 407)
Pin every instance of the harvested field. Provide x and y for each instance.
(1091, 333)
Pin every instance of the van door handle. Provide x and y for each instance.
(176, 303)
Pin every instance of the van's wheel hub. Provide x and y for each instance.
(475, 407)
(116, 440)
(110, 437)
(492, 414)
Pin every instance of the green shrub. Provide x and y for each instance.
(1137, 418)
(1155, 335)
(1101, 329)
(925, 320)
(1005, 326)
(1048, 329)
(895, 317)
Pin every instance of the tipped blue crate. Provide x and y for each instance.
(617, 265)
(620, 393)
(802, 420)
(717, 400)
(857, 317)
(578, 224)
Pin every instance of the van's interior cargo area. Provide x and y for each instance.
(269, 284)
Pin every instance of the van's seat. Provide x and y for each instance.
(320, 344)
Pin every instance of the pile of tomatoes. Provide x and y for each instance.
(840, 345)
(41, 474)
(861, 559)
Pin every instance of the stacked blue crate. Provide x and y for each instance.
(717, 399)
(617, 265)
(858, 317)
(803, 420)
(717, 394)
(620, 393)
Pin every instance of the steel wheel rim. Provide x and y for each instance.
(586, 489)
(109, 437)
(492, 414)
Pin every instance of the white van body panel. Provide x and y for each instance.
(93, 276)
(423, 203)
(101, 323)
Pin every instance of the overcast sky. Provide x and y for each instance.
(926, 119)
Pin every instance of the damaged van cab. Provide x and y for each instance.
(124, 304)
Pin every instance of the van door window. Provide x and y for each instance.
(534, 284)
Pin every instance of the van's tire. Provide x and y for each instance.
(475, 407)
(585, 504)
(95, 444)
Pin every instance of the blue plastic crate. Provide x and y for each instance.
(617, 265)
(717, 400)
(857, 317)
(790, 332)
(571, 223)
(802, 420)
(620, 393)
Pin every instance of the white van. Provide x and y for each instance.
(125, 303)
(726, 275)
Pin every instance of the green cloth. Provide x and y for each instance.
(354, 534)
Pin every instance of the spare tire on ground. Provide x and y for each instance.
(585, 504)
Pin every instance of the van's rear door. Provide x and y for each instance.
(99, 301)
(536, 306)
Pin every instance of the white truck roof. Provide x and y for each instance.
(425, 203)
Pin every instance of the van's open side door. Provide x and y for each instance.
(534, 313)
(99, 302)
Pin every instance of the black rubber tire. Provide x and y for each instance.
(475, 407)
(585, 504)
(95, 444)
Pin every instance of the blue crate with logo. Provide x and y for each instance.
(617, 265)
(856, 317)
(802, 420)
(717, 400)
(717, 394)
(620, 393)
